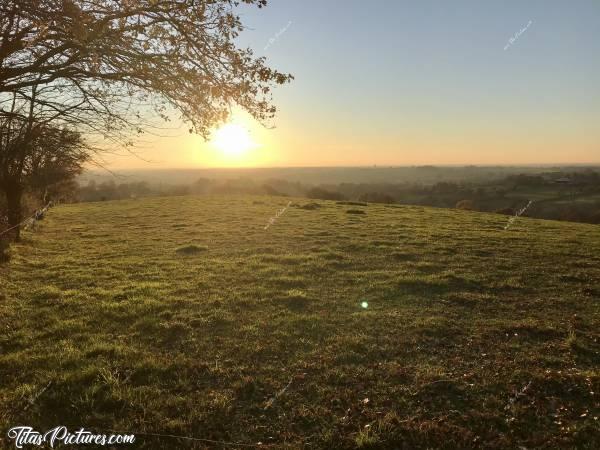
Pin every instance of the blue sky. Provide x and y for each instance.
(381, 67)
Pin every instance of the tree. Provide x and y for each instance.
(56, 161)
(36, 155)
(106, 68)
(106, 63)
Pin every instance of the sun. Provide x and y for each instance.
(233, 140)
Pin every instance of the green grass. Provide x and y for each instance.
(184, 316)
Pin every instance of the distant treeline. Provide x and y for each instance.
(571, 196)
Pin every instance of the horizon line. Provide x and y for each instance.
(374, 166)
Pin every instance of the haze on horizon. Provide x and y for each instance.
(417, 83)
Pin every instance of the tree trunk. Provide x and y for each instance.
(14, 194)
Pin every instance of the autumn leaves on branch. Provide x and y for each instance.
(102, 71)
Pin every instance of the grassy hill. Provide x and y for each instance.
(398, 327)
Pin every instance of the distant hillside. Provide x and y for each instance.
(570, 194)
(340, 326)
(328, 175)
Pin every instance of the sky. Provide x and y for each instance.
(393, 82)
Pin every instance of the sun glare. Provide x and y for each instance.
(233, 140)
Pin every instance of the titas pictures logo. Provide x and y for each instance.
(518, 34)
(24, 435)
(278, 35)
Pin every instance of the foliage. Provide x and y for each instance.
(35, 155)
(102, 65)
(39, 155)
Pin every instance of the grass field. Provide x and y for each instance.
(184, 316)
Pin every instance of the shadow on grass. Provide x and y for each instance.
(431, 286)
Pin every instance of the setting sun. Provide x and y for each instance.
(233, 140)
